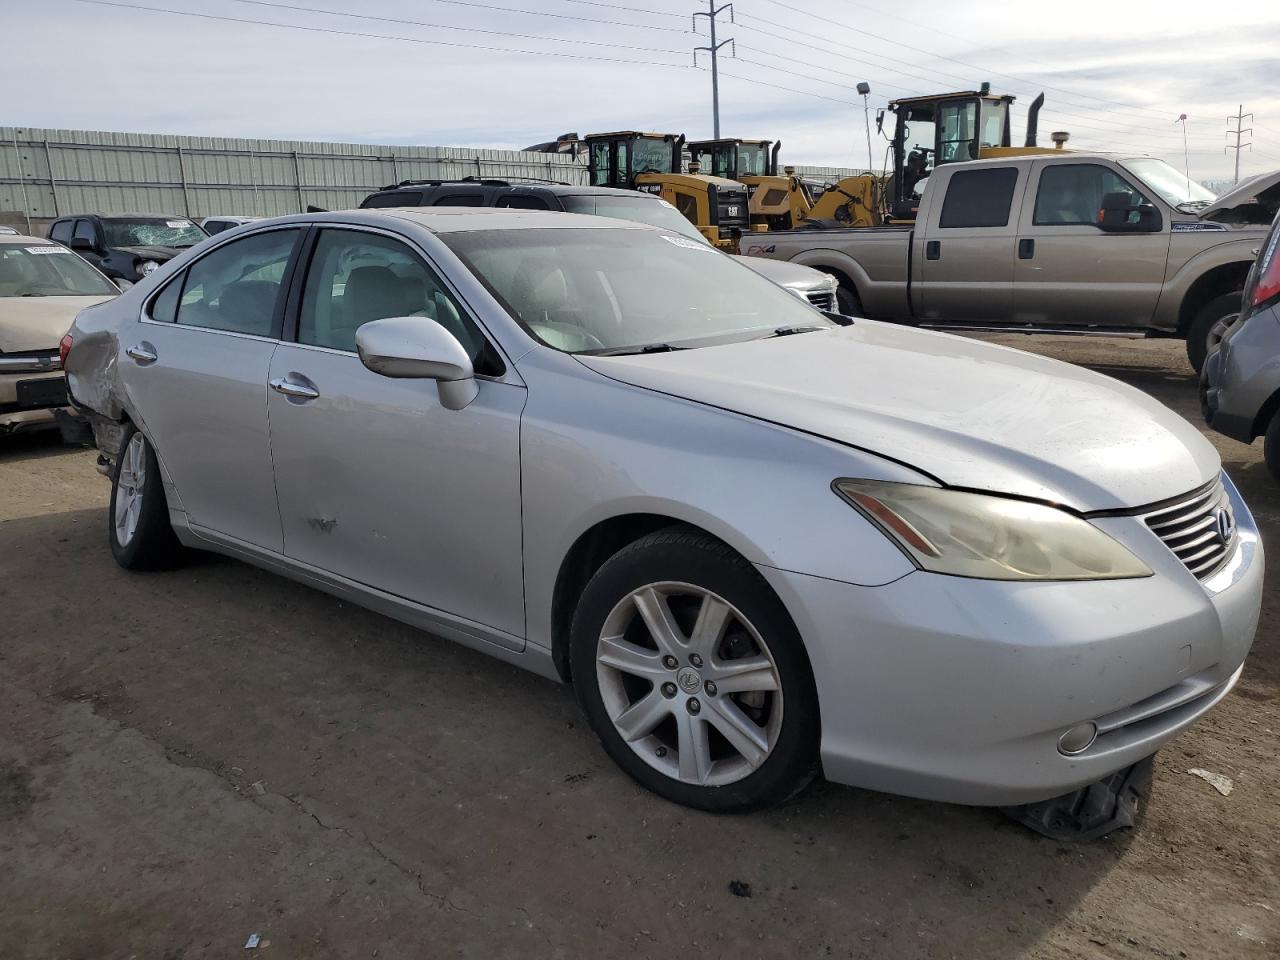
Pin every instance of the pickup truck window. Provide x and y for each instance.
(397, 198)
(1071, 193)
(979, 198)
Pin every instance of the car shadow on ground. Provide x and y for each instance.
(482, 779)
(30, 444)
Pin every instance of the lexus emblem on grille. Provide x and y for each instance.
(1226, 524)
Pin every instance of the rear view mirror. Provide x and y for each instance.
(419, 348)
(1121, 213)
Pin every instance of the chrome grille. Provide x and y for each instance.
(1200, 529)
(824, 300)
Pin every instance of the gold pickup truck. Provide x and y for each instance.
(1081, 242)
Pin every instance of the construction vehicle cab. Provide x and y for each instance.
(944, 128)
(654, 163)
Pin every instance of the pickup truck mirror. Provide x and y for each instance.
(1120, 214)
(82, 243)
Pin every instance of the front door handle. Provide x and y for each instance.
(144, 353)
(933, 250)
(293, 390)
(1027, 249)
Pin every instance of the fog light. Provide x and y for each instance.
(1078, 739)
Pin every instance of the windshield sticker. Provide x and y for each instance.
(687, 243)
(176, 224)
(50, 248)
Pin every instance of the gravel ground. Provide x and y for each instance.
(193, 757)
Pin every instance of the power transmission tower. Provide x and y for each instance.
(1239, 117)
(712, 15)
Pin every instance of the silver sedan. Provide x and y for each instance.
(760, 541)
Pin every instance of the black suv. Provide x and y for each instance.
(126, 246)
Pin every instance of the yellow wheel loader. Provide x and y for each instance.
(781, 202)
(653, 163)
(946, 127)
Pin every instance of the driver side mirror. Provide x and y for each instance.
(1120, 214)
(419, 348)
(83, 243)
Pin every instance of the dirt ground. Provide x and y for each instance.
(192, 757)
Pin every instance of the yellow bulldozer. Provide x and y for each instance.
(654, 163)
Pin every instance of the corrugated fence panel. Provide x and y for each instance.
(46, 173)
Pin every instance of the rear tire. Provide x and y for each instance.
(138, 516)
(848, 301)
(1271, 446)
(683, 659)
(1204, 326)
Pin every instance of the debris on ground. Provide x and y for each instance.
(252, 942)
(739, 889)
(1223, 785)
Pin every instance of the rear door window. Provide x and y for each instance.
(61, 232)
(460, 200)
(979, 198)
(237, 287)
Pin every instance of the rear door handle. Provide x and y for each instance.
(933, 250)
(1026, 249)
(293, 389)
(144, 353)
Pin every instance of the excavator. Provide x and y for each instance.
(945, 128)
(653, 163)
(781, 202)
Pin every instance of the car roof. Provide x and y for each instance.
(121, 216)
(24, 239)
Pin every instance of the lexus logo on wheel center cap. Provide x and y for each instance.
(689, 680)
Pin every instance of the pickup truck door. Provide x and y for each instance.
(963, 258)
(1068, 272)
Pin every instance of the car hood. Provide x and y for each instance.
(1264, 188)
(38, 323)
(153, 252)
(793, 276)
(970, 414)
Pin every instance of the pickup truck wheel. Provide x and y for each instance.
(1208, 324)
(848, 302)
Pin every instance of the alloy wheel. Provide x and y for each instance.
(689, 684)
(129, 485)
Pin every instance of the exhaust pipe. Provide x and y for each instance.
(773, 159)
(677, 154)
(1033, 119)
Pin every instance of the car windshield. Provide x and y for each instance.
(641, 209)
(151, 232)
(627, 290)
(48, 270)
(650, 155)
(1173, 186)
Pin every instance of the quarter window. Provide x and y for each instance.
(165, 306)
(1071, 193)
(236, 287)
(979, 198)
(357, 277)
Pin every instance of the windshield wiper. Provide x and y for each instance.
(790, 331)
(627, 351)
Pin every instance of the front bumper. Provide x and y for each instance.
(958, 690)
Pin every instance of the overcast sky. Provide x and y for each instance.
(1115, 74)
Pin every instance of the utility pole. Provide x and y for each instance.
(1186, 162)
(1239, 117)
(712, 14)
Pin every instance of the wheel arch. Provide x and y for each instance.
(1214, 282)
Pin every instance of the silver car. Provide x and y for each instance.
(759, 543)
(1240, 381)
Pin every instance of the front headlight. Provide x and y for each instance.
(147, 267)
(989, 538)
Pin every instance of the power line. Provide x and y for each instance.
(445, 26)
(375, 36)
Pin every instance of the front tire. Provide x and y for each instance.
(1207, 326)
(693, 676)
(138, 516)
(1271, 446)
